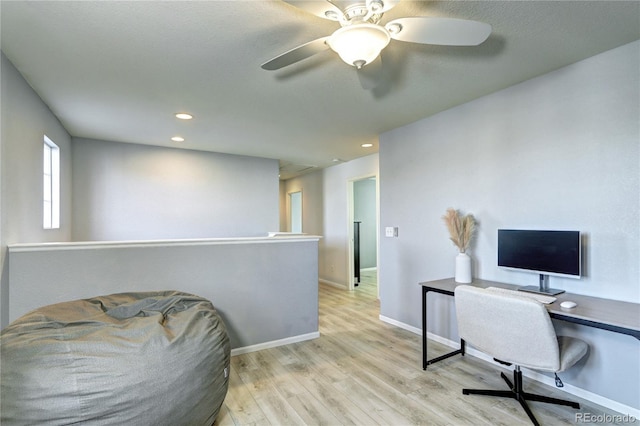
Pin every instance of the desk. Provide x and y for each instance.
(606, 314)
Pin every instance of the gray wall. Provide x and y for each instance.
(116, 191)
(265, 290)
(311, 187)
(335, 262)
(556, 152)
(365, 211)
(325, 212)
(129, 192)
(25, 120)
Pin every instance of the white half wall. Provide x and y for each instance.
(265, 289)
(560, 151)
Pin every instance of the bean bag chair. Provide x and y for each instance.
(153, 358)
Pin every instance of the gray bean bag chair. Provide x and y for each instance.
(154, 358)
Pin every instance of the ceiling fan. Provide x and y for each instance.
(361, 37)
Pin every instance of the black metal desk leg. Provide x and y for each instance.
(424, 328)
(445, 356)
(426, 362)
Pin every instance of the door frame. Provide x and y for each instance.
(350, 236)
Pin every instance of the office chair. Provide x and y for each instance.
(515, 330)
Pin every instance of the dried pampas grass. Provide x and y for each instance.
(461, 228)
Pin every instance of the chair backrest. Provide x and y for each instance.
(510, 328)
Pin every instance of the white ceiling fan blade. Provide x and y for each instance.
(443, 31)
(324, 9)
(297, 54)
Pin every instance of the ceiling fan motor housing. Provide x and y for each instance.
(359, 12)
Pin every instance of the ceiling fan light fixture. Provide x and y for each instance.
(359, 44)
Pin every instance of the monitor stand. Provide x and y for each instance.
(543, 288)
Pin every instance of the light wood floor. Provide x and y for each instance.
(362, 371)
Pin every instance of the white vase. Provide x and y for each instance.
(463, 268)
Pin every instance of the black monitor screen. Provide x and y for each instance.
(545, 252)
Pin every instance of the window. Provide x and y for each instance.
(51, 185)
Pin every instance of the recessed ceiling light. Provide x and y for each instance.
(366, 145)
(184, 116)
(177, 139)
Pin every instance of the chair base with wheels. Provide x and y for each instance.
(517, 392)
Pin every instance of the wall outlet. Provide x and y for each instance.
(391, 231)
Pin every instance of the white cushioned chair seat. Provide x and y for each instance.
(571, 351)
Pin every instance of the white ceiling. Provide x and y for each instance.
(119, 70)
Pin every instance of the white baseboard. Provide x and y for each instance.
(533, 375)
(399, 324)
(334, 284)
(275, 343)
(373, 268)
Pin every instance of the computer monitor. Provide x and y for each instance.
(546, 253)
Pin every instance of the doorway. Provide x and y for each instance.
(295, 212)
(363, 234)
